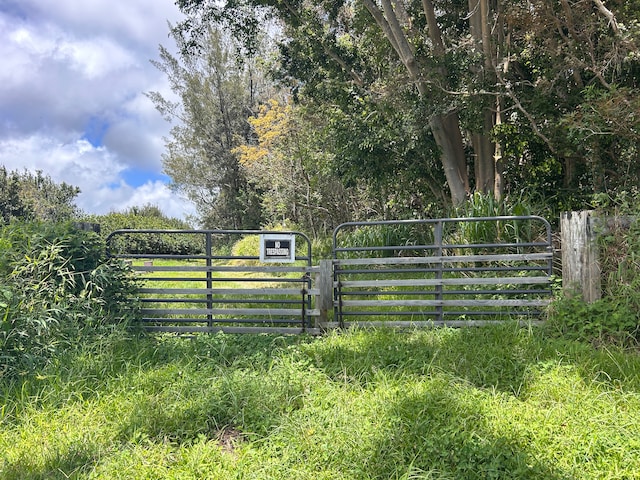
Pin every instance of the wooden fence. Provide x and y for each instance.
(581, 271)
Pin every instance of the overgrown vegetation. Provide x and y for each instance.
(616, 316)
(35, 196)
(387, 110)
(148, 217)
(84, 397)
(500, 402)
(56, 287)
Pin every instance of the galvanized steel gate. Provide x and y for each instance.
(427, 272)
(217, 289)
(387, 273)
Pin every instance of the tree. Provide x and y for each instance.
(337, 37)
(514, 94)
(572, 81)
(216, 92)
(147, 217)
(291, 167)
(30, 196)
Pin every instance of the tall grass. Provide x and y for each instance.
(55, 286)
(497, 402)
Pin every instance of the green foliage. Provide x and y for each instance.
(216, 94)
(249, 246)
(55, 286)
(492, 231)
(491, 403)
(148, 218)
(463, 233)
(29, 196)
(290, 165)
(616, 316)
(396, 234)
(610, 320)
(560, 103)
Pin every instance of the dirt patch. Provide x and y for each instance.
(229, 438)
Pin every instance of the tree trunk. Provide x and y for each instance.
(498, 183)
(445, 127)
(488, 160)
(446, 132)
(484, 150)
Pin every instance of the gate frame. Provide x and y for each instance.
(306, 312)
(438, 259)
(328, 293)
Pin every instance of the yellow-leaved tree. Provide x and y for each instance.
(288, 165)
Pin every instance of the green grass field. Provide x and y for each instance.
(489, 403)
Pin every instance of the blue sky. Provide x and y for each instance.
(73, 74)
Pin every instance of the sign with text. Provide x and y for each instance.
(277, 247)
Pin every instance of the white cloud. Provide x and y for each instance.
(94, 58)
(95, 170)
(72, 79)
(76, 162)
(151, 193)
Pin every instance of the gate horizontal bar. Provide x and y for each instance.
(511, 257)
(219, 268)
(275, 312)
(227, 321)
(444, 303)
(229, 291)
(426, 324)
(225, 329)
(442, 281)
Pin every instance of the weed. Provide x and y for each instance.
(496, 402)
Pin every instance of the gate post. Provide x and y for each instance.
(437, 239)
(324, 282)
(209, 250)
(580, 267)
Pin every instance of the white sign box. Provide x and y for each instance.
(276, 247)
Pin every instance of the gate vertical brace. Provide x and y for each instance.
(437, 238)
(209, 250)
(338, 293)
(306, 286)
(324, 281)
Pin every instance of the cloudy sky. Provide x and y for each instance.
(72, 79)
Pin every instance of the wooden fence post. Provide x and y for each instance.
(325, 286)
(580, 267)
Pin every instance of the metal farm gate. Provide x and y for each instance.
(451, 271)
(266, 287)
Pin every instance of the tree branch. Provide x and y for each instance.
(388, 22)
(609, 15)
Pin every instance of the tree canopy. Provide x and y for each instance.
(35, 196)
(216, 91)
(451, 97)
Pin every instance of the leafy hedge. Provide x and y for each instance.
(149, 219)
(55, 286)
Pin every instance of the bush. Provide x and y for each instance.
(611, 320)
(55, 286)
(401, 235)
(486, 205)
(148, 218)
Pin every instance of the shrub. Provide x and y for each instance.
(148, 218)
(55, 286)
(401, 235)
(610, 320)
(486, 205)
